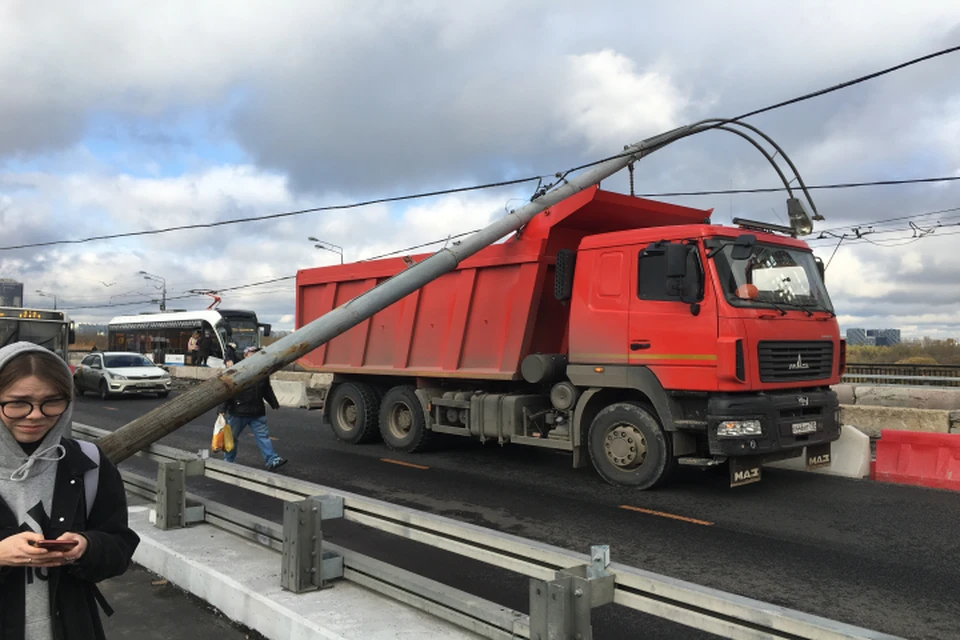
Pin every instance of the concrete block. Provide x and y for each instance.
(908, 397)
(290, 393)
(849, 456)
(872, 419)
(242, 580)
(313, 380)
(847, 393)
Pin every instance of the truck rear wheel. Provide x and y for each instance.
(628, 447)
(354, 407)
(402, 423)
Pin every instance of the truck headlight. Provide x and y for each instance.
(739, 428)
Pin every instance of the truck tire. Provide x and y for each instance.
(628, 447)
(402, 423)
(353, 413)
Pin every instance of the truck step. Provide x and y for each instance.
(702, 463)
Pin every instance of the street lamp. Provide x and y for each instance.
(163, 285)
(327, 246)
(49, 295)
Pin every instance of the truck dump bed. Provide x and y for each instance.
(482, 319)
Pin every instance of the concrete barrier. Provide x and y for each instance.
(242, 580)
(849, 456)
(896, 396)
(872, 419)
(290, 393)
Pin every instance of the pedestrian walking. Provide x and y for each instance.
(51, 489)
(246, 410)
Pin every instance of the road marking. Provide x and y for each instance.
(404, 464)
(663, 514)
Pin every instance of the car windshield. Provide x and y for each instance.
(126, 360)
(772, 276)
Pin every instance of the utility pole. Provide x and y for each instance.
(163, 287)
(152, 426)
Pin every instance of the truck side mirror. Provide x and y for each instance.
(563, 276)
(743, 246)
(72, 334)
(266, 329)
(676, 260)
(821, 269)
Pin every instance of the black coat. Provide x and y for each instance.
(73, 593)
(249, 402)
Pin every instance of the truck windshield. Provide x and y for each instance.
(772, 276)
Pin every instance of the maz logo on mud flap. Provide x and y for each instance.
(821, 459)
(747, 474)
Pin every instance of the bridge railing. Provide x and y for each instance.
(564, 586)
(903, 374)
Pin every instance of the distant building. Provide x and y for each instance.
(856, 337)
(873, 337)
(11, 293)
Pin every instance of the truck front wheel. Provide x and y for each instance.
(402, 423)
(353, 412)
(628, 447)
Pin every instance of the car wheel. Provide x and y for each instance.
(104, 390)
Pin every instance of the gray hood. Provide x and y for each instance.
(12, 456)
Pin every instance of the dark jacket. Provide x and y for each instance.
(73, 593)
(205, 346)
(249, 402)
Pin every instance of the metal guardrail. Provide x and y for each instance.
(564, 586)
(904, 374)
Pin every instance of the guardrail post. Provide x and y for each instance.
(306, 566)
(560, 608)
(172, 511)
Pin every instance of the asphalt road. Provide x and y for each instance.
(880, 556)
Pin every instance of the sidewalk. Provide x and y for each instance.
(149, 608)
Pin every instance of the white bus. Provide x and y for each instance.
(50, 329)
(163, 337)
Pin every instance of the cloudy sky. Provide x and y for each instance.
(119, 117)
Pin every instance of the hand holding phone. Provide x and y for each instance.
(54, 545)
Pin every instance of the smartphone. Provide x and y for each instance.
(55, 545)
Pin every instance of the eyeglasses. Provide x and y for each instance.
(21, 408)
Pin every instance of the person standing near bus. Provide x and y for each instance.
(204, 347)
(193, 346)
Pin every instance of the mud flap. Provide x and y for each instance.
(818, 456)
(744, 470)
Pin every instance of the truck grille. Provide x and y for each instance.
(793, 361)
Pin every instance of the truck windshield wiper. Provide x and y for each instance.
(801, 307)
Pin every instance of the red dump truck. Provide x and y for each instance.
(628, 331)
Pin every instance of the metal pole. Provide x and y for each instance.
(170, 416)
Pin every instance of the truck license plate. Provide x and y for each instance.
(800, 428)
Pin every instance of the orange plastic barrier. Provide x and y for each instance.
(925, 459)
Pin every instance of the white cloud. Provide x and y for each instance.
(608, 103)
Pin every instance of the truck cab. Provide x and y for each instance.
(728, 334)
